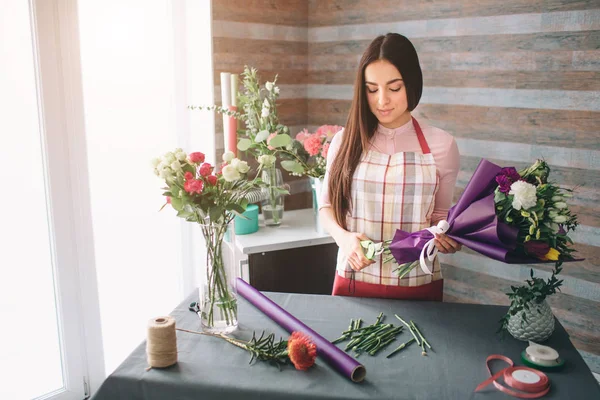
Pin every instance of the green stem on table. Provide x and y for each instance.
(403, 345)
(420, 335)
(409, 328)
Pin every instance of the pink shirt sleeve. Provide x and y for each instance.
(334, 147)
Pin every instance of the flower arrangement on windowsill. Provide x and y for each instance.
(263, 137)
(210, 199)
(308, 152)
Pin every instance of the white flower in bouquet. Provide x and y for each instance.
(241, 166)
(524, 195)
(560, 205)
(175, 166)
(276, 89)
(265, 109)
(560, 219)
(155, 162)
(269, 86)
(266, 160)
(230, 173)
(169, 157)
(180, 155)
(228, 156)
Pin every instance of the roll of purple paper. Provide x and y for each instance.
(335, 357)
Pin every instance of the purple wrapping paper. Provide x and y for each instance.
(329, 352)
(473, 223)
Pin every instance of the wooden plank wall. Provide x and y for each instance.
(270, 35)
(512, 80)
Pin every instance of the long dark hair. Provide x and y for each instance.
(362, 123)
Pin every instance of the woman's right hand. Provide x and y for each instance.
(351, 248)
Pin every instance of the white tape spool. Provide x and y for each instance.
(542, 355)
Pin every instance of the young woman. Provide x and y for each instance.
(386, 171)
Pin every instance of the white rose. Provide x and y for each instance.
(266, 160)
(162, 165)
(175, 166)
(524, 195)
(165, 173)
(230, 173)
(228, 156)
(155, 162)
(241, 166)
(181, 156)
(169, 157)
(269, 86)
(264, 113)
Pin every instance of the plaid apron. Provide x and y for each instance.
(389, 193)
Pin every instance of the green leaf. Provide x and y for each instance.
(261, 136)
(280, 140)
(292, 166)
(244, 144)
(176, 203)
(235, 207)
(215, 213)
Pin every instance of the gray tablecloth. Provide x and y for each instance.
(462, 336)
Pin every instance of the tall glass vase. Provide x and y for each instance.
(317, 187)
(272, 205)
(218, 301)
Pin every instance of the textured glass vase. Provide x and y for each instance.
(538, 326)
(317, 187)
(272, 205)
(218, 300)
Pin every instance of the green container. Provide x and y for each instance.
(250, 225)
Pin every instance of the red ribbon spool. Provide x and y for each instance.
(530, 390)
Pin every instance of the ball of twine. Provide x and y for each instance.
(161, 344)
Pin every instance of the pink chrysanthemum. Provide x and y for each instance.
(302, 351)
(312, 144)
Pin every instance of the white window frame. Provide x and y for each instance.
(60, 104)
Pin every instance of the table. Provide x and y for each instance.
(289, 258)
(462, 336)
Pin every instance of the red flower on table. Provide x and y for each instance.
(212, 180)
(193, 186)
(302, 351)
(206, 169)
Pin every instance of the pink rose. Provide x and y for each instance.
(312, 144)
(193, 186)
(271, 136)
(212, 180)
(206, 169)
(188, 175)
(325, 150)
(197, 157)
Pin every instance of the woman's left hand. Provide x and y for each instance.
(446, 245)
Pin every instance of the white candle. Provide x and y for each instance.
(234, 89)
(225, 89)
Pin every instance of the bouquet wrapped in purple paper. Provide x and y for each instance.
(509, 216)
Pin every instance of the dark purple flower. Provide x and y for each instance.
(511, 173)
(503, 183)
(537, 248)
(561, 230)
